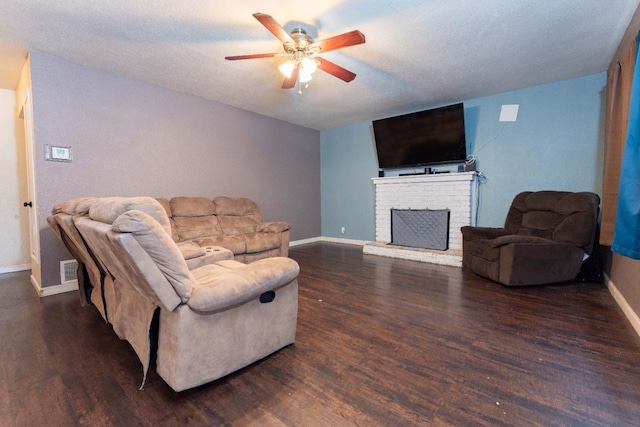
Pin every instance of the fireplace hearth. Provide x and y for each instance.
(453, 192)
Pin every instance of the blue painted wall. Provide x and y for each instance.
(348, 162)
(555, 144)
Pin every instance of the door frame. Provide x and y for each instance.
(26, 113)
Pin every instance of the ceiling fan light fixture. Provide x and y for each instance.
(286, 68)
(308, 65)
(304, 76)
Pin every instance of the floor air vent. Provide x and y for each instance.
(68, 271)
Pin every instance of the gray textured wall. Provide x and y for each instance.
(130, 137)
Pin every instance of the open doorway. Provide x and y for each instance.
(14, 218)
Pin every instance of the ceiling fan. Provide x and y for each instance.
(301, 49)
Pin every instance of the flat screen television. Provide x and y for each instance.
(424, 138)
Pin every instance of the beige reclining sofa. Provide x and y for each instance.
(235, 223)
(201, 323)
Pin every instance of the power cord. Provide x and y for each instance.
(489, 141)
(480, 177)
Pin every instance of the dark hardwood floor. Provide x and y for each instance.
(380, 342)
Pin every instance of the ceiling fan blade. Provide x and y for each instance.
(351, 38)
(254, 56)
(290, 83)
(273, 26)
(335, 70)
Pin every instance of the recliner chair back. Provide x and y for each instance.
(561, 216)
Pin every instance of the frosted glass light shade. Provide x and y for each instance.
(286, 68)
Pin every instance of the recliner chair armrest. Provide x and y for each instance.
(539, 263)
(519, 239)
(273, 227)
(229, 283)
(474, 233)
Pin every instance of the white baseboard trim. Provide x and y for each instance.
(328, 239)
(304, 241)
(345, 241)
(15, 268)
(631, 315)
(55, 289)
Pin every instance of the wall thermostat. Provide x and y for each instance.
(57, 153)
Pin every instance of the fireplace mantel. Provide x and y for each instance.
(454, 191)
(422, 178)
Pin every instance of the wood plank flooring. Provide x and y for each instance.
(380, 342)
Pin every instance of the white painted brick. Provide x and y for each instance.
(453, 191)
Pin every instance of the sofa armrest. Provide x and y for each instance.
(211, 257)
(273, 227)
(228, 283)
(190, 250)
(197, 256)
(474, 233)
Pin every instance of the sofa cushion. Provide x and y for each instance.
(167, 208)
(189, 227)
(160, 247)
(70, 207)
(236, 225)
(571, 230)
(582, 212)
(237, 206)
(192, 206)
(544, 200)
(84, 205)
(165, 205)
(540, 223)
(194, 217)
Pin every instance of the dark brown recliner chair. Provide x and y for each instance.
(546, 238)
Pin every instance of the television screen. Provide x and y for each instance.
(424, 138)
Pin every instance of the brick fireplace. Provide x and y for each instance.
(453, 191)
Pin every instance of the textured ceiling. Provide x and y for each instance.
(418, 54)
